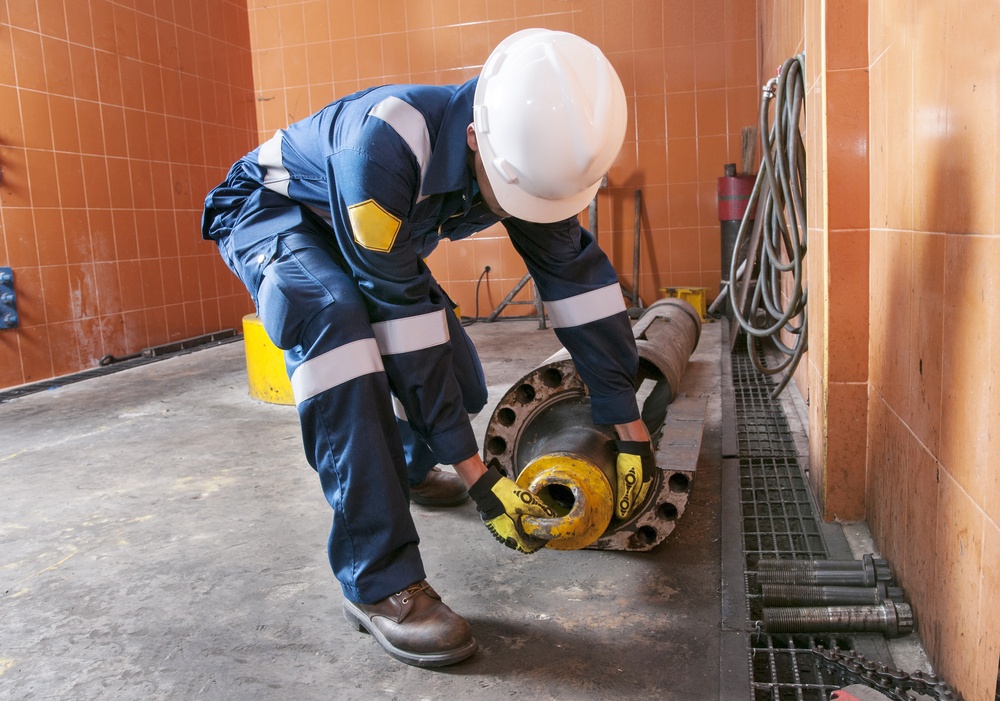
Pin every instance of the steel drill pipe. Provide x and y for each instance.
(867, 561)
(813, 595)
(890, 619)
(858, 578)
(541, 434)
(866, 572)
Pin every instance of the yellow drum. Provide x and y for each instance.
(265, 365)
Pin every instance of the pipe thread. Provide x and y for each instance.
(889, 619)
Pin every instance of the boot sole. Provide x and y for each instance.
(359, 621)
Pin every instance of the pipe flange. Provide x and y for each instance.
(547, 412)
(511, 422)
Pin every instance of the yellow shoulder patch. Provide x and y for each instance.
(374, 228)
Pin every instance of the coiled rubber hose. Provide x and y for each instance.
(777, 255)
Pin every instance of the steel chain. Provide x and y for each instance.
(890, 681)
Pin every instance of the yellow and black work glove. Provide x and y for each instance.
(502, 504)
(635, 471)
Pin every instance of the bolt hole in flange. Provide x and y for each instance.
(498, 466)
(645, 535)
(496, 445)
(679, 482)
(506, 417)
(525, 394)
(667, 511)
(552, 378)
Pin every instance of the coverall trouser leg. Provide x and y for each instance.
(310, 306)
(469, 372)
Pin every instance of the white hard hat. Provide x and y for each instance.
(550, 116)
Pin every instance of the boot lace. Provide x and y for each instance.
(412, 590)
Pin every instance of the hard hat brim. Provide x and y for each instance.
(520, 205)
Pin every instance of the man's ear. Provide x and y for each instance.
(470, 137)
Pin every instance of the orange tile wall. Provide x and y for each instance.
(689, 68)
(902, 371)
(833, 377)
(934, 425)
(117, 116)
(841, 95)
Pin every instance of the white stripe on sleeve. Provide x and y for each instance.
(411, 126)
(276, 176)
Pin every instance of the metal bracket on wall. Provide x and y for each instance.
(8, 299)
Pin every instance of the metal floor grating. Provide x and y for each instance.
(793, 671)
(762, 430)
(761, 427)
(778, 521)
(777, 518)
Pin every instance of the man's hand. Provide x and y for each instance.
(502, 504)
(635, 470)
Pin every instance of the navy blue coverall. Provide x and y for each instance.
(328, 225)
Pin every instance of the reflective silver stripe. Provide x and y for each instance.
(276, 176)
(407, 121)
(335, 367)
(412, 333)
(585, 308)
(397, 408)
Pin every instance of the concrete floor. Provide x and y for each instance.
(162, 537)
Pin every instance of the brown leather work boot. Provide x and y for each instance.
(415, 626)
(439, 488)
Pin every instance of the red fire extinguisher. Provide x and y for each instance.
(734, 196)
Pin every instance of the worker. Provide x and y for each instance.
(328, 224)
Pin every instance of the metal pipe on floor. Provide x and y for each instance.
(810, 595)
(890, 619)
(867, 561)
(542, 435)
(866, 572)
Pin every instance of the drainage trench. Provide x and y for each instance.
(773, 516)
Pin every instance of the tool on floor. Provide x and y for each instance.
(859, 594)
(171, 347)
(853, 668)
(541, 434)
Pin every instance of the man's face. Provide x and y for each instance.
(484, 184)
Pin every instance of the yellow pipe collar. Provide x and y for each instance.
(578, 491)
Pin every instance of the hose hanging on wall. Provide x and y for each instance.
(766, 293)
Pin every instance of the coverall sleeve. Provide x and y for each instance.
(371, 194)
(575, 278)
